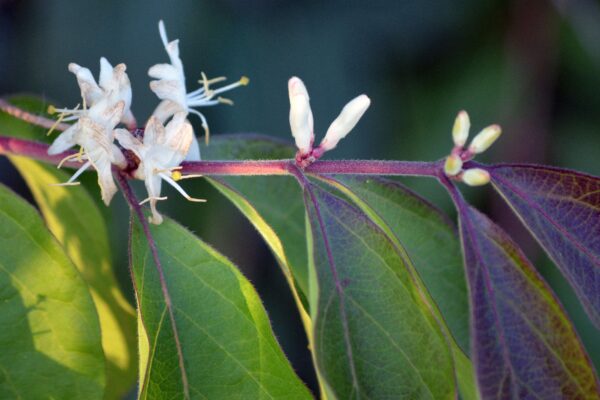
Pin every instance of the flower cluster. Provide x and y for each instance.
(459, 155)
(168, 137)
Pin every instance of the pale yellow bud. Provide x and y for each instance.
(460, 131)
(485, 139)
(476, 177)
(453, 165)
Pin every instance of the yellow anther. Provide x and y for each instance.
(51, 109)
(176, 175)
(224, 100)
(244, 81)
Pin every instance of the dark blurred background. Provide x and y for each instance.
(532, 66)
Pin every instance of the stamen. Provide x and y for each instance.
(224, 100)
(151, 198)
(71, 180)
(204, 123)
(180, 189)
(70, 157)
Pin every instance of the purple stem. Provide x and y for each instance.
(39, 151)
(135, 207)
(31, 118)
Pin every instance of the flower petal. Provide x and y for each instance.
(343, 124)
(64, 141)
(301, 119)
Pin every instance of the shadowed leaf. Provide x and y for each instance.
(50, 343)
(374, 335)
(228, 346)
(75, 220)
(523, 344)
(430, 240)
(562, 210)
(275, 200)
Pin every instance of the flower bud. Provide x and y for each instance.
(453, 165)
(460, 131)
(476, 177)
(343, 124)
(301, 119)
(485, 139)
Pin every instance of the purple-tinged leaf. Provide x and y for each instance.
(522, 342)
(562, 210)
(374, 335)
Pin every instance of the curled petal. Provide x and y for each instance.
(172, 47)
(64, 141)
(169, 90)
(163, 71)
(301, 119)
(166, 109)
(90, 91)
(129, 142)
(106, 74)
(343, 124)
(102, 163)
(154, 134)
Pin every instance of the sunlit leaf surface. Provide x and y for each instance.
(75, 220)
(228, 346)
(50, 343)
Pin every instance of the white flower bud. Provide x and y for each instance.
(301, 119)
(476, 177)
(460, 131)
(485, 139)
(453, 165)
(343, 124)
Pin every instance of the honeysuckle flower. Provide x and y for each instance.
(113, 84)
(94, 133)
(453, 167)
(169, 86)
(161, 151)
(301, 122)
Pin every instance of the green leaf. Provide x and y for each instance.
(429, 238)
(228, 347)
(273, 204)
(50, 344)
(75, 220)
(375, 335)
(433, 250)
(15, 127)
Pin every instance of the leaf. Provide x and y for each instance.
(228, 346)
(75, 220)
(374, 334)
(562, 210)
(15, 127)
(523, 344)
(272, 204)
(50, 344)
(432, 245)
(429, 238)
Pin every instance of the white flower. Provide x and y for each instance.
(170, 88)
(113, 84)
(160, 152)
(301, 122)
(93, 131)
